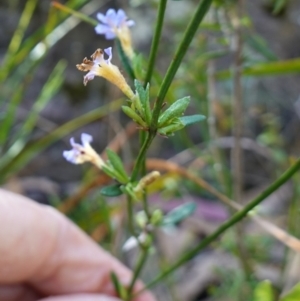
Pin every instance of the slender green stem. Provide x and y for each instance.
(75, 13)
(130, 215)
(155, 41)
(140, 264)
(229, 223)
(141, 156)
(180, 52)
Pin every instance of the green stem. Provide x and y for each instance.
(229, 223)
(130, 216)
(155, 41)
(140, 264)
(180, 52)
(75, 13)
(141, 156)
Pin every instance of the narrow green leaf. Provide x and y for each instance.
(175, 110)
(279, 6)
(111, 172)
(12, 162)
(112, 190)
(293, 294)
(264, 291)
(266, 69)
(51, 87)
(133, 115)
(144, 98)
(176, 125)
(137, 64)
(120, 290)
(261, 46)
(140, 90)
(180, 213)
(124, 60)
(117, 164)
(7, 122)
(17, 38)
(191, 119)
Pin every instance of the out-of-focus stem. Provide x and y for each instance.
(177, 59)
(139, 266)
(237, 128)
(155, 41)
(237, 217)
(213, 135)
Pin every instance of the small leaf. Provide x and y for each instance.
(144, 98)
(176, 125)
(293, 294)
(188, 120)
(112, 190)
(120, 289)
(117, 164)
(137, 65)
(175, 110)
(110, 172)
(124, 60)
(263, 291)
(180, 213)
(141, 91)
(132, 114)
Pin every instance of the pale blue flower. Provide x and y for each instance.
(112, 23)
(83, 152)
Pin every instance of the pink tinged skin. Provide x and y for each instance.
(43, 254)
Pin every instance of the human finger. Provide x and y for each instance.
(81, 297)
(39, 246)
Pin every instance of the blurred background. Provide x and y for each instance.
(43, 103)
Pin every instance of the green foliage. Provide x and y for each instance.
(264, 292)
(174, 111)
(111, 191)
(197, 76)
(179, 214)
(293, 294)
(133, 115)
(117, 166)
(143, 94)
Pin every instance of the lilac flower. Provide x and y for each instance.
(83, 152)
(104, 68)
(113, 23)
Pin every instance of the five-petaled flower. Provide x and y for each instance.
(116, 24)
(104, 68)
(83, 152)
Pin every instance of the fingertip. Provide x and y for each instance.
(81, 297)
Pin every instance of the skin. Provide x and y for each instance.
(44, 256)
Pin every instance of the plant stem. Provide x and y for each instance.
(75, 13)
(141, 262)
(141, 156)
(229, 223)
(155, 41)
(179, 54)
(237, 130)
(130, 215)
